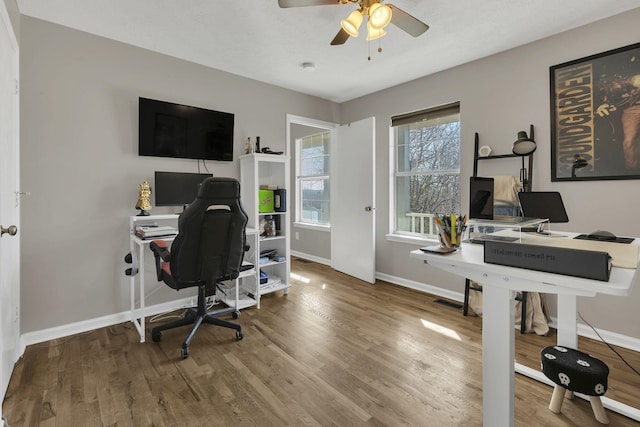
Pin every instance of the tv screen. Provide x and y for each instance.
(177, 188)
(174, 130)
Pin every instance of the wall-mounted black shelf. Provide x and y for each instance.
(477, 157)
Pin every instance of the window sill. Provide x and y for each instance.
(415, 240)
(316, 227)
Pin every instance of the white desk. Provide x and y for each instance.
(139, 246)
(499, 285)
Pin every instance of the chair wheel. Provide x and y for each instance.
(235, 314)
(184, 352)
(239, 335)
(156, 336)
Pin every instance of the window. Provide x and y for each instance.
(427, 168)
(312, 179)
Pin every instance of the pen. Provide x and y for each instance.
(441, 231)
(454, 229)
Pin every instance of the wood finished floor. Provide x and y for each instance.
(333, 352)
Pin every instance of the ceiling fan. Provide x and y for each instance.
(379, 16)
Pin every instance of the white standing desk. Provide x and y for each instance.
(498, 343)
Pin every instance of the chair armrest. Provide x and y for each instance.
(161, 252)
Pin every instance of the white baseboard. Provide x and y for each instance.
(312, 258)
(433, 290)
(612, 338)
(100, 322)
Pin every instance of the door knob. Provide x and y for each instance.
(12, 230)
(368, 209)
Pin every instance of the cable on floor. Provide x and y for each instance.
(609, 345)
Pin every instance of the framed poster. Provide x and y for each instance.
(595, 117)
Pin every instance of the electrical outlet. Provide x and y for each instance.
(297, 235)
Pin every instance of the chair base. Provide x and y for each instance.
(197, 317)
(557, 398)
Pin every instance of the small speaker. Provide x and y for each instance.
(280, 200)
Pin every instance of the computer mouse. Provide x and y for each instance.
(602, 235)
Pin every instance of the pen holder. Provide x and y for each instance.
(450, 242)
(450, 230)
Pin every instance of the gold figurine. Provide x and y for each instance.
(144, 200)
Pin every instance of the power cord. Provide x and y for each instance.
(164, 316)
(609, 345)
(204, 164)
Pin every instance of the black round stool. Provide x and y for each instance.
(575, 371)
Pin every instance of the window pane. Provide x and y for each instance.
(419, 197)
(314, 155)
(314, 166)
(314, 197)
(428, 146)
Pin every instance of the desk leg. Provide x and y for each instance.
(567, 322)
(498, 354)
(142, 310)
(132, 283)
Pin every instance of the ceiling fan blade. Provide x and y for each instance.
(303, 3)
(406, 22)
(340, 38)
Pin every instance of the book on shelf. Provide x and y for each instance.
(147, 232)
(273, 281)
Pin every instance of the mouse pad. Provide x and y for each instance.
(600, 239)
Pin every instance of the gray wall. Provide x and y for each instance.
(14, 16)
(79, 158)
(499, 96)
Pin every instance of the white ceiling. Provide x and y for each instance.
(259, 40)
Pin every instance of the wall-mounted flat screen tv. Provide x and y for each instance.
(174, 130)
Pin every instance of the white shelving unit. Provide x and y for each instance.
(258, 170)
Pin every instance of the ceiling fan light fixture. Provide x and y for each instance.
(379, 16)
(374, 33)
(352, 23)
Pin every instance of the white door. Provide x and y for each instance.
(9, 209)
(353, 237)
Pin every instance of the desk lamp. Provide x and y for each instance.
(578, 163)
(523, 146)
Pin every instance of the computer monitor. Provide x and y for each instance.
(177, 188)
(543, 204)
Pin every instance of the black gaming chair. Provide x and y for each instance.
(208, 249)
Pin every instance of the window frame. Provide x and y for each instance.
(394, 175)
(299, 222)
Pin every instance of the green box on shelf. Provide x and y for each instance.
(265, 200)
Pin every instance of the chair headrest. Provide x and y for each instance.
(219, 188)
